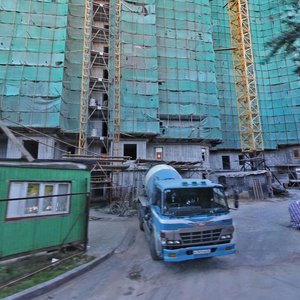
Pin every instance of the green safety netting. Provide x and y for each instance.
(40, 62)
(278, 87)
(166, 88)
(173, 84)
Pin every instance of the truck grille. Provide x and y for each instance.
(200, 237)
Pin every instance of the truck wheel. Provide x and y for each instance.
(153, 249)
(140, 217)
(115, 208)
(141, 225)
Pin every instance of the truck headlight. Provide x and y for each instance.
(175, 242)
(165, 241)
(226, 237)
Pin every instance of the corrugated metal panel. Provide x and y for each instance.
(31, 234)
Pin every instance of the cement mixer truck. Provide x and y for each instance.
(184, 219)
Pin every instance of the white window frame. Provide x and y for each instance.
(19, 189)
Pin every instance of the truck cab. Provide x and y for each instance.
(186, 219)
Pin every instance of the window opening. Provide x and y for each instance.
(104, 129)
(32, 147)
(158, 153)
(130, 150)
(203, 154)
(226, 162)
(31, 205)
(297, 153)
(71, 150)
(105, 74)
(241, 159)
(43, 199)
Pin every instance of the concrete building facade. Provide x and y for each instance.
(160, 62)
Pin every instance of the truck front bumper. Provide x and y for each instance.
(198, 252)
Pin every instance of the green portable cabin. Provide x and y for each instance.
(44, 205)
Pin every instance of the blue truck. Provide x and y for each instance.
(184, 219)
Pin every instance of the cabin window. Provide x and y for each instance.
(38, 199)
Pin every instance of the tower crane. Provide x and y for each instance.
(85, 77)
(245, 82)
(116, 108)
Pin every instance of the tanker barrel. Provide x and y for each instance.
(159, 172)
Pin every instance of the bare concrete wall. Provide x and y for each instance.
(216, 160)
(282, 156)
(279, 157)
(45, 148)
(181, 152)
(140, 147)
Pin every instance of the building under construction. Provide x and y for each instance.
(171, 80)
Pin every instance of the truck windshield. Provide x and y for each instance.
(193, 201)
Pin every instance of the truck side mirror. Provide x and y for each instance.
(147, 217)
(236, 199)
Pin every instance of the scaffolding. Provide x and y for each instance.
(102, 166)
(152, 73)
(98, 90)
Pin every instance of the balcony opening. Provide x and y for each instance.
(130, 150)
(32, 147)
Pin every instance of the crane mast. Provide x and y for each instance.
(245, 81)
(83, 118)
(116, 141)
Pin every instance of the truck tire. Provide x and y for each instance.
(115, 208)
(152, 247)
(141, 225)
(140, 217)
